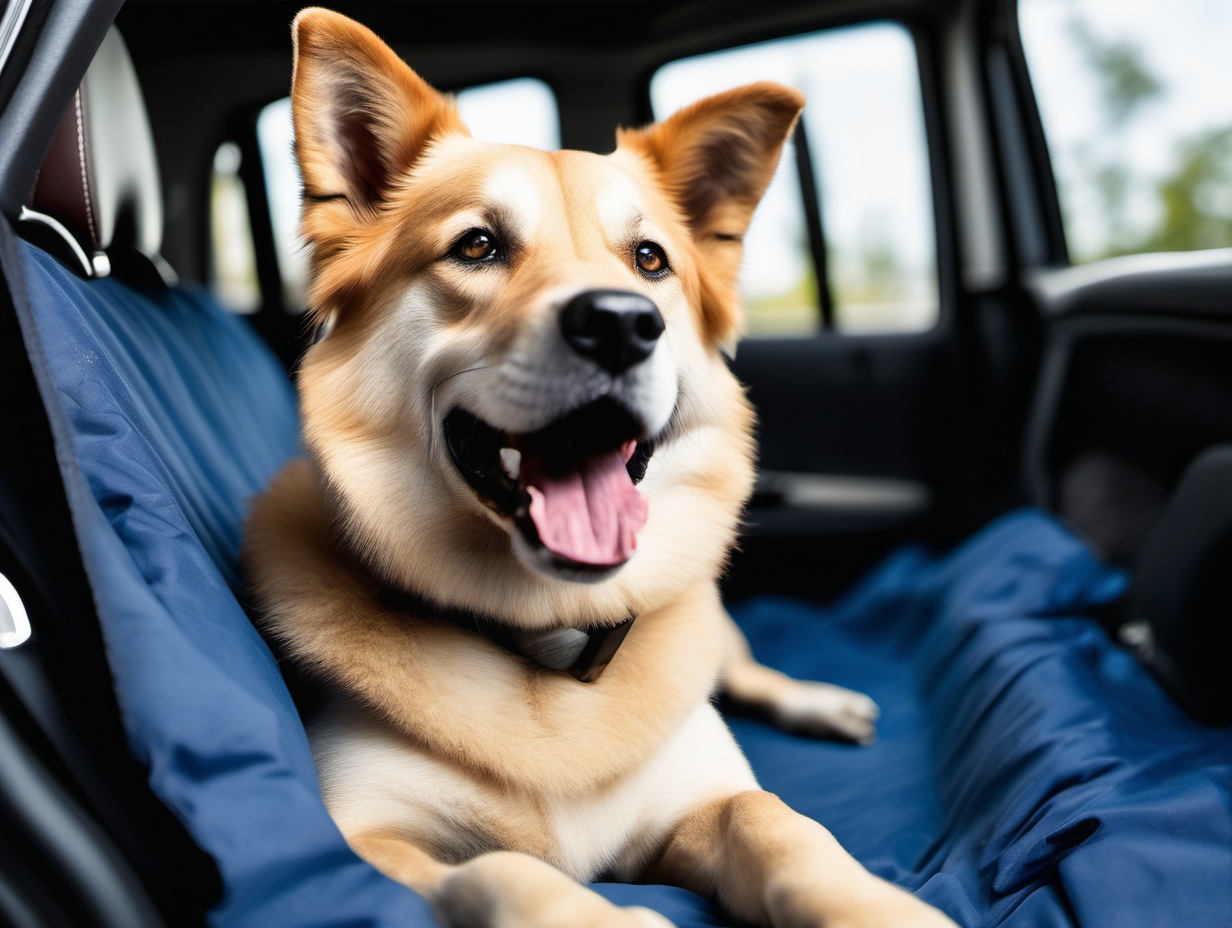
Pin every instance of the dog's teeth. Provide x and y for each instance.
(511, 460)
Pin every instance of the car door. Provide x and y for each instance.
(890, 361)
(1075, 355)
(1130, 434)
(1135, 381)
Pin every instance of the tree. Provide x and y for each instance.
(1194, 200)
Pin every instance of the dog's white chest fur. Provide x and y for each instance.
(374, 778)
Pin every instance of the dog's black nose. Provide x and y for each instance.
(613, 328)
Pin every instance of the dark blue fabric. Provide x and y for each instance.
(1027, 771)
(181, 415)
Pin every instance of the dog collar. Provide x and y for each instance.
(583, 653)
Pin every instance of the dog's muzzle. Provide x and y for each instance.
(570, 488)
(614, 328)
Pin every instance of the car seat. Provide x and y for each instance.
(168, 414)
(1028, 771)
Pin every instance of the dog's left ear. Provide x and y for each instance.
(716, 158)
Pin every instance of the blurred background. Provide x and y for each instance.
(1151, 171)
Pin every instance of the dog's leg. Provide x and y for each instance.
(775, 867)
(401, 860)
(501, 889)
(822, 710)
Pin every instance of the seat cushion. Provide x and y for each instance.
(1027, 772)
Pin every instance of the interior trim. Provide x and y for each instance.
(982, 247)
(10, 25)
(1058, 285)
(884, 496)
(1055, 371)
(96, 266)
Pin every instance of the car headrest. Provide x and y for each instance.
(99, 182)
(1181, 598)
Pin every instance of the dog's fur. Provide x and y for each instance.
(484, 781)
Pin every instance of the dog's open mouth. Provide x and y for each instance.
(569, 487)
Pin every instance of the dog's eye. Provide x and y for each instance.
(650, 259)
(476, 245)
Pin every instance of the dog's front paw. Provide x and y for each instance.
(505, 889)
(638, 916)
(864, 902)
(897, 909)
(823, 710)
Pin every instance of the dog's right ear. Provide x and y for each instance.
(362, 117)
(716, 159)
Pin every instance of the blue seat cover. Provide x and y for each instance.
(180, 417)
(1027, 773)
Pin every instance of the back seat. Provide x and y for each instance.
(1029, 772)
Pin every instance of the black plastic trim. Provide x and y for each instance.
(1036, 151)
(93, 882)
(814, 223)
(51, 58)
(1197, 284)
(1064, 338)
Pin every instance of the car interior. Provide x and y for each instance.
(152, 319)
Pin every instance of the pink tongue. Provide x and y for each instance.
(590, 515)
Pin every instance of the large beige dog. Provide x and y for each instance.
(527, 461)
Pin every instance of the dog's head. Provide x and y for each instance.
(521, 383)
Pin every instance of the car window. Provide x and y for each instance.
(233, 264)
(522, 111)
(867, 162)
(1136, 105)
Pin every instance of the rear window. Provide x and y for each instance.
(1136, 103)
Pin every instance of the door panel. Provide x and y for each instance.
(1137, 383)
(856, 444)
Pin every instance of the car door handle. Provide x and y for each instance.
(881, 495)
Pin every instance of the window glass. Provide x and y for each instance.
(518, 112)
(521, 111)
(233, 266)
(1136, 104)
(865, 133)
(275, 138)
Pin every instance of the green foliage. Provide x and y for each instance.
(883, 276)
(1126, 82)
(1194, 199)
(793, 312)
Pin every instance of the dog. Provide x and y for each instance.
(526, 464)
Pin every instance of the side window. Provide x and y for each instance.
(522, 111)
(1135, 103)
(233, 266)
(859, 247)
